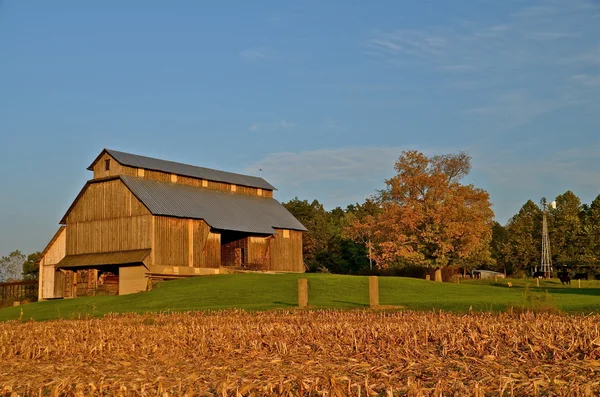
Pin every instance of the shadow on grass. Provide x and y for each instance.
(357, 304)
(285, 303)
(575, 291)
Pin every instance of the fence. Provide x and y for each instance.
(18, 291)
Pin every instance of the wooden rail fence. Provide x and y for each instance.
(18, 291)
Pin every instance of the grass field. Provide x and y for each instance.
(268, 291)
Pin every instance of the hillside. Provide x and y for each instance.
(327, 291)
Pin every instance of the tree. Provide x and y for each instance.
(30, 266)
(565, 230)
(498, 247)
(11, 266)
(591, 233)
(523, 247)
(360, 225)
(314, 217)
(428, 218)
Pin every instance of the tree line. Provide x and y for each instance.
(426, 217)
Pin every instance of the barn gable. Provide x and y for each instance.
(136, 162)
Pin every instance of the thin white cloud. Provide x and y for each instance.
(592, 57)
(587, 80)
(337, 164)
(272, 125)
(457, 68)
(515, 108)
(500, 28)
(514, 179)
(257, 54)
(546, 36)
(412, 42)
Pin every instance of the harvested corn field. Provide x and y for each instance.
(333, 353)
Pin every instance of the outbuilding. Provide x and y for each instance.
(141, 218)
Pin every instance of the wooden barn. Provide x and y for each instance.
(141, 218)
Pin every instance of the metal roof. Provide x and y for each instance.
(221, 210)
(171, 167)
(103, 258)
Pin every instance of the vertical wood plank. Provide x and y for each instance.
(437, 276)
(303, 293)
(374, 291)
(190, 243)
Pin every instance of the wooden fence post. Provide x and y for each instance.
(373, 291)
(302, 293)
(578, 283)
(537, 280)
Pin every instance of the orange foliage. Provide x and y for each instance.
(428, 217)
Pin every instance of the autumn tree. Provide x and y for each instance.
(428, 217)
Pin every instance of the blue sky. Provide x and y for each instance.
(322, 95)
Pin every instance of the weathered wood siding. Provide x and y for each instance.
(115, 168)
(108, 217)
(286, 253)
(185, 243)
(259, 252)
(170, 241)
(52, 255)
(206, 246)
(132, 279)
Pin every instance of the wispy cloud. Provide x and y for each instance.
(592, 57)
(336, 164)
(272, 125)
(514, 179)
(359, 87)
(587, 80)
(545, 36)
(457, 68)
(507, 56)
(516, 108)
(257, 54)
(411, 42)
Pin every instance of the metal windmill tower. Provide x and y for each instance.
(546, 262)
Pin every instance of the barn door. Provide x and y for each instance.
(59, 285)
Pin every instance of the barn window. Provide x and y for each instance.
(259, 192)
(286, 233)
(233, 188)
(107, 164)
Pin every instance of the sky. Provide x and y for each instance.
(323, 96)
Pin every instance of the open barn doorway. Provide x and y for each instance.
(245, 251)
(234, 249)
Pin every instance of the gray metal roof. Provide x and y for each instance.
(221, 210)
(171, 167)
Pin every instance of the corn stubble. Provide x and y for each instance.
(303, 353)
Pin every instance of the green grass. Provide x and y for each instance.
(263, 291)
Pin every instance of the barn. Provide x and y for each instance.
(141, 218)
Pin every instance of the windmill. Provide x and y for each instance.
(546, 262)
